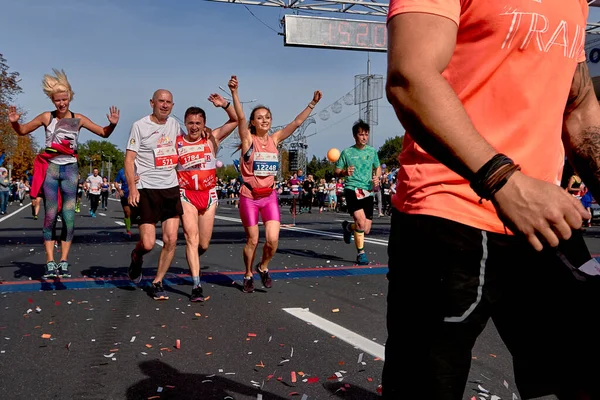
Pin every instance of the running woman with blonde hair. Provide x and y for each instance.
(259, 165)
(62, 128)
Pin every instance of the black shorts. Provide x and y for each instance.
(125, 201)
(158, 205)
(447, 279)
(354, 204)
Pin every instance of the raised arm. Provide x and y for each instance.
(581, 130)
(284, 133)
(244, 132)
(25, 129)
(105, 132)
(224, 130)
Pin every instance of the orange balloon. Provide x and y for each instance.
(333, 154)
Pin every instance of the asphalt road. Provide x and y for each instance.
(319, 333)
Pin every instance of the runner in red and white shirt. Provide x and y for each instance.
(197, 175)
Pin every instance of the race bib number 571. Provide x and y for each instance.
(165, 157)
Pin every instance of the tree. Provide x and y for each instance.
(227, 173)
(100, 154)
(389, 151)
(22, 156)
(320, 168)
(10, 145)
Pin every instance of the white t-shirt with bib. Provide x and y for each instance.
(156, 153)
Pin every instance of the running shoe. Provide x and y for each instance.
(248, 285)
(63, 269)
(135, 268)
(51, 270)
(197, 294)
(158, 292)
(35, 217)
(347, 233)
(361, 259)
(128, 234)
(264, 277)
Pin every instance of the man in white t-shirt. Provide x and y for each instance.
(94, 187)
(152, 156)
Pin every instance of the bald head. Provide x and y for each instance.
(160, 92)
(162, 104)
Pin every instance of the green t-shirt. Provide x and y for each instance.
(364, 160)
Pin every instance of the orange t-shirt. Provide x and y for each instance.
(512, 69)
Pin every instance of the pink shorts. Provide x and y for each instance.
(268, 207)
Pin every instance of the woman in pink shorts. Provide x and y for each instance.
(259, 164)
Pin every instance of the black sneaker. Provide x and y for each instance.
(51, 270)
(135, 268)
(158, 292)
(264, 277)
(347, 233)
(197, 294)
(248, 285)
(63, 269)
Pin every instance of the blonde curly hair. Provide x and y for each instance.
(57, 83)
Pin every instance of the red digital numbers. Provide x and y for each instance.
(357, 34)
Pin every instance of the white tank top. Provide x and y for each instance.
(59, 130)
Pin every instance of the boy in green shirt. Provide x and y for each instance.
(359, 165)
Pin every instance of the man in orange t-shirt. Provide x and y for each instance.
(493, 95)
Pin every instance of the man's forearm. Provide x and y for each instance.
(431, 112)
(581, 129)
(129, 173)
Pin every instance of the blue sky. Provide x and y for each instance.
(119, 52)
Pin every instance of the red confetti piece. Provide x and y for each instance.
(46, 336)
(252, 335)
(293, 394)
(30, 300)
(378, 390)
(313, 379)
(57, 303)
(261, 365)
(369, 379)
(149, 346)
(293, 376)
(178, 344)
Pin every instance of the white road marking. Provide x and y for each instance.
(380, 242)
(354, 339)
(18, 210)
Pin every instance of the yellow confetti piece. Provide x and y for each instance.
(208, 353)
(261, 365)
(493, 355)
(210, 338)
(335, 310)
(149, 346)
(46, 336)
(198, 314)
